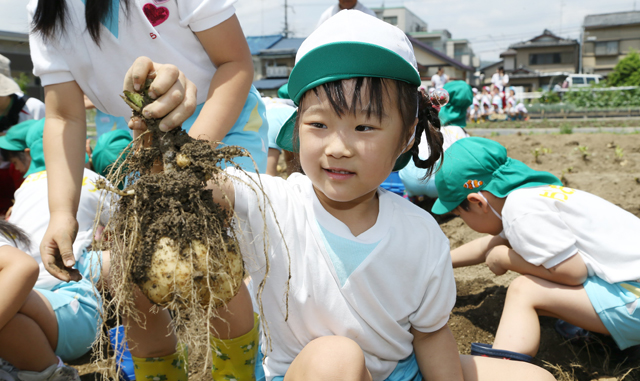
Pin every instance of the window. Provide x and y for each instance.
(551, 58)
(393, 20)
(578, 80)
(591, 80)
(606, 48)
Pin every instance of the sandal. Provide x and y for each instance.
(486, 350)
(571, 332)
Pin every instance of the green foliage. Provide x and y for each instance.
(22, 80)
(627, 71)
(603, 99)
(549, 97)
(566, 129)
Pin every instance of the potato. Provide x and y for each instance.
(174, 276)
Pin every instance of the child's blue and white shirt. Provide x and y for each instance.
(371, 288)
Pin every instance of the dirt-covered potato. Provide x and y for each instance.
(171, 274)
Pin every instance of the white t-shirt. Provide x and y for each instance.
(450, 135)
(549, 224)
(33, 109)
(438, 81)
(326, 15)
(406, 279)
(31, 214)
(167, 36)
(500, 81)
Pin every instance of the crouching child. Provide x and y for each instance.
(579, 255)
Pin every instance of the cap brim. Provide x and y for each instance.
(440, 207)
(4, 144)
(285, 136)
(314, 69)
(8, 86)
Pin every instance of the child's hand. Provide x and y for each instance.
(497, 258)
(56, 249)
(175, 94)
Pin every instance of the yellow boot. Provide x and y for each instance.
(168, 368)
(235, 359)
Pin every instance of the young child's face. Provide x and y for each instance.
(347, 157)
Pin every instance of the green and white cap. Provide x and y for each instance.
(476, 164)
(350, 44)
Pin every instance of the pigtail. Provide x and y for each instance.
(429, 124)
(14, 233)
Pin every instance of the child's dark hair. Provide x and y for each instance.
(14, 233)
(51, 15)
(8, 155)
(408, 97)
(465, 205)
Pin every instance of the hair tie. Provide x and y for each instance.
(438, 98)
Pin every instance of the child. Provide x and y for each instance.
(88, 47)
(453, 119)
(278, 112)
(45, 320)
(515, 110)
(485, 102)
(368, 298)
(577, 252)
(496, 101)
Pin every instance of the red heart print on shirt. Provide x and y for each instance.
(156, 15)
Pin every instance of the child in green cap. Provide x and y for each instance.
(351, 292)
(577, 253)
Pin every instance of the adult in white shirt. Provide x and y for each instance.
(500, 79)
(439, 79)
(344, 4)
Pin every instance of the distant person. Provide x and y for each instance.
(278, 112)
(514, 109)
(15, 107)
(500, 79)
(342, 5)
(439, 79)
(106, 122)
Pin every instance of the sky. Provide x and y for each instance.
(490, 25)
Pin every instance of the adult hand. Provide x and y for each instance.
(175, 96)
(496, 259)
(56, 249)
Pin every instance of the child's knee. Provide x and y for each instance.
(522, 287)
(334, 356)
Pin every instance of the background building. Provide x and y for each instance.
(15, 46)
(607, 38)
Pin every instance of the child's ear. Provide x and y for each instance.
(412, 137)
(475, 198)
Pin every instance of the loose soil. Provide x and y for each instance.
(558, 123)
(481, 294)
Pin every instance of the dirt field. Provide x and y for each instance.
(481, 294)
(596, 169)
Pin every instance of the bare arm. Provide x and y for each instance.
(571, 272)
(64, 148)
(474, 252)
(437, 354)
(228, 50)
(272, 162)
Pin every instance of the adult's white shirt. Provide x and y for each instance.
(32, 109)
(547, 225)
(405, 281)
(500, 81)
(438, 81)
(332, 10)
(166, 35)
(31, 214)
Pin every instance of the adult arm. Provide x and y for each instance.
(474, 252)
(570, 272)
(228, 50)
(437, 354)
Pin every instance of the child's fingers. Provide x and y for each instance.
(138, 72)
(166, 76)
(177, 105)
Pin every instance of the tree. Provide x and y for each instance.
(627, 71)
